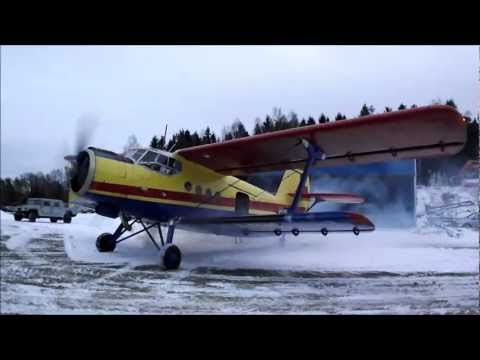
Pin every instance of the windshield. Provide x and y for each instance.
(156, 160)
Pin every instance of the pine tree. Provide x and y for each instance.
(154, 143)
(303, 123)
(293, 120)
(340, 117)
(322, 119)
(365, 111)
(258, 127)
(267, 124)
(388, 109)
(311, 121)
(402, 107)
(451, 103)
(238, 129)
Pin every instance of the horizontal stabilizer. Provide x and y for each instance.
(342, 198)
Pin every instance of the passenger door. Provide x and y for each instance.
(242, 204)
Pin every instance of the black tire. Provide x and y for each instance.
(277, 232)
(53, 220)
(356, 231)
(67, 218)
(106, 242)
(32, 216)
(295, 232)
(324, 231)
(18, 216)
(171, 257)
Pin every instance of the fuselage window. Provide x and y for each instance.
(188, 186)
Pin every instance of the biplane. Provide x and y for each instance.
(200, 188)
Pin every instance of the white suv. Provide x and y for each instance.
(36, 208)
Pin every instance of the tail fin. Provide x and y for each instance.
(288, 186)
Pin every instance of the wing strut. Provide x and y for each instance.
(314, 153)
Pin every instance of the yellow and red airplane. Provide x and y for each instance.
(197, 189)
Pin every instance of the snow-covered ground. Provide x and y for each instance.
(46, 266)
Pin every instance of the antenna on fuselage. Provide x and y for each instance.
(165, 137)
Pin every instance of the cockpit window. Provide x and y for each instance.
(149, 157)
(138, 154)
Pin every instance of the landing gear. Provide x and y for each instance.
(295, 232)
(53, 220)
(171, 257)
(106, 242)
(324, 231)
(356, 230)
(170, 254)
(18, 217)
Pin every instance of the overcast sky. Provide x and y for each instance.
(139, 89)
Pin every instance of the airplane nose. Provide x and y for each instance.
(83, 172)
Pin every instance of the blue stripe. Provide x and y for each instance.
(157, 211)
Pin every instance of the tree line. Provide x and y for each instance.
(14, 191)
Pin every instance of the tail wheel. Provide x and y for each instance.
(106, 242)
(18, 217)
(32, 216)
(171, 257)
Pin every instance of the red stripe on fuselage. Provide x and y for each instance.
(180, 196)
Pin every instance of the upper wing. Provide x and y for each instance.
(421, 132)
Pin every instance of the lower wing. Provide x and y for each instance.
(268, 225)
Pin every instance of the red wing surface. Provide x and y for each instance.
(407, 134)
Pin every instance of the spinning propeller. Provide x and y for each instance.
(77, 173)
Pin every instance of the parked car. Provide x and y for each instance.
(36, 208)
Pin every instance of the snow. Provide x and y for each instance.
(410, 250)
(55, 268)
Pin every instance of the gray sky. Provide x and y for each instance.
(138, 89)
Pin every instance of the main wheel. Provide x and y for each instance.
(356, 230)
(171, 257)
(67, 218)
(324, 231)
(32, 216)
(295, 232)
(18, 216)
(106, 242)
(54, 220)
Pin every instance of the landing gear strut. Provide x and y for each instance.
(170, 255)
